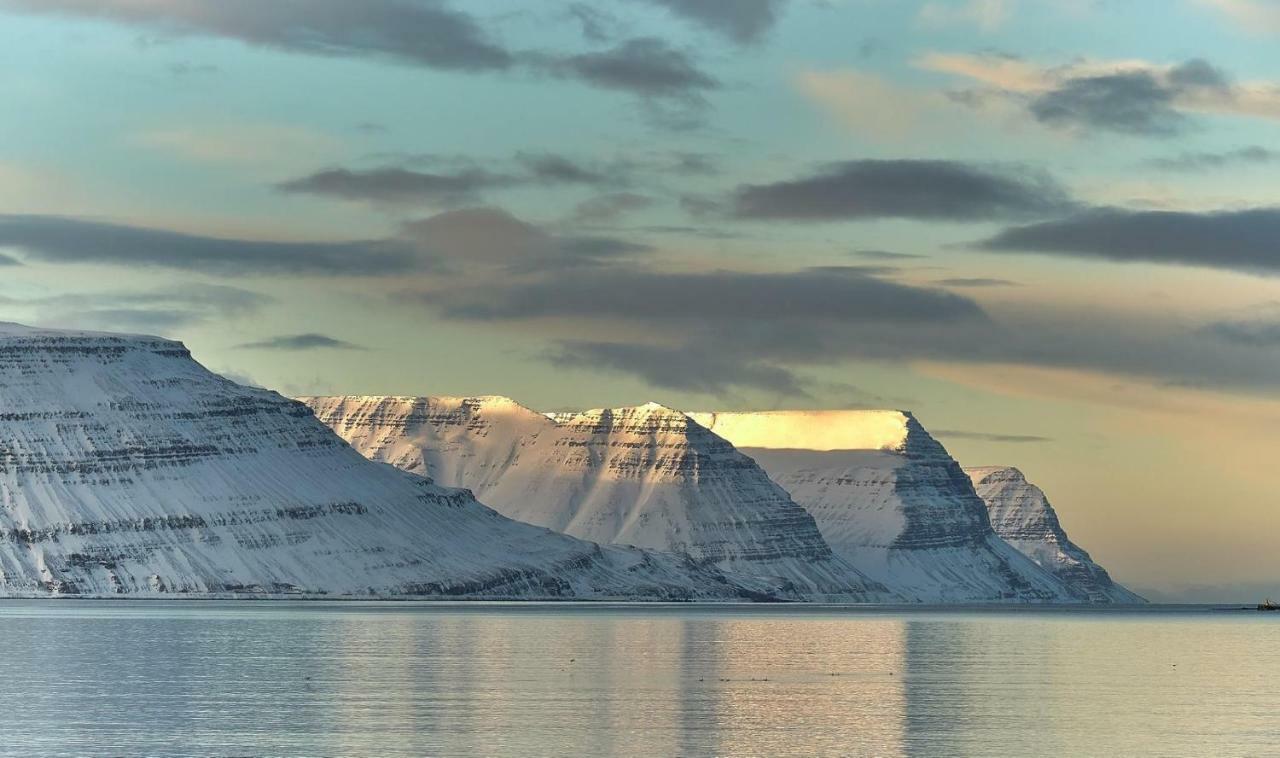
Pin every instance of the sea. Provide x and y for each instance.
(387, 679)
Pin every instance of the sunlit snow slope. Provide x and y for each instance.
(126, 467)
(645, 476)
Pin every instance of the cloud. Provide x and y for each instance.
(7, 261)
(645, 66)
(976, 281)
(743, 21)
(1133, 102)
(919, 189)
(161, 311)
(677, 368)
(1239, 240)
(668, 81)
(492, 237)
(885, 255)
(1124, 96)
(299, 342)
(454, 180)
(956, 434)
(987, 15)
(1257, 333)
(828, 295)
(558, 169)
(606, 209)
(426, 33)
(1142, 102)
(56, 239)
(390, 185)
(1206, 161)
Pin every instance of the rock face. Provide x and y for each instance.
(646, 476)
(1021, 514)
(890, 499)
(126, 467)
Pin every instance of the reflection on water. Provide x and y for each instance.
(159, 678)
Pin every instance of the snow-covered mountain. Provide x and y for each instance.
(126, 467)
(1021, 514)
(647, 476)
(890, 499)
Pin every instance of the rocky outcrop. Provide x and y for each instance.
(646, 476)
(127, 468)
(889, 499)
(1022, 516)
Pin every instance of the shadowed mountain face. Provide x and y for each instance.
(1022, 516)
(891, 500)
(127, 468)
(646, 476)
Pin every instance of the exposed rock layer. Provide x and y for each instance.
(1021, 514)
(646, 476)
(890, 499)
(126, 467)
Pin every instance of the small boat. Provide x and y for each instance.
(1269, 605)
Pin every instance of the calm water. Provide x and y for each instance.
(258, 679)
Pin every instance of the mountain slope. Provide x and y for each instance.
(126, 467)
(889, 499)
(645, 476)
(1021, 514)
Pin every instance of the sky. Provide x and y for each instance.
(1046, 227)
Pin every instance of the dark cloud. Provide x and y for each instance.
(976, 281)
(885, 255)
(56, 239)
(668, 81)
(829, 295)
(1205, 161)
(1263, 333)
(161, 311)
(956, 434)
(1197, 73)
(453, 180)
(742, 21)
(1134, 102)
(7, 261)
(677, 368)
(300, 342)
(1139, 102)
(606, 209)
(597, 26)
(422, 33)
(919, 189)
(558, 169)
(491, 237)
(1247, 240)
(395, 186)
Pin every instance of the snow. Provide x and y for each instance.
(647, 476)
(128, 468)
(1022, 516)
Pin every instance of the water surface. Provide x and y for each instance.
(82, 678)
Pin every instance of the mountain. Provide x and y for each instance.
(890, 499)
(126, 467)
(647, 476)
(1021, 514)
